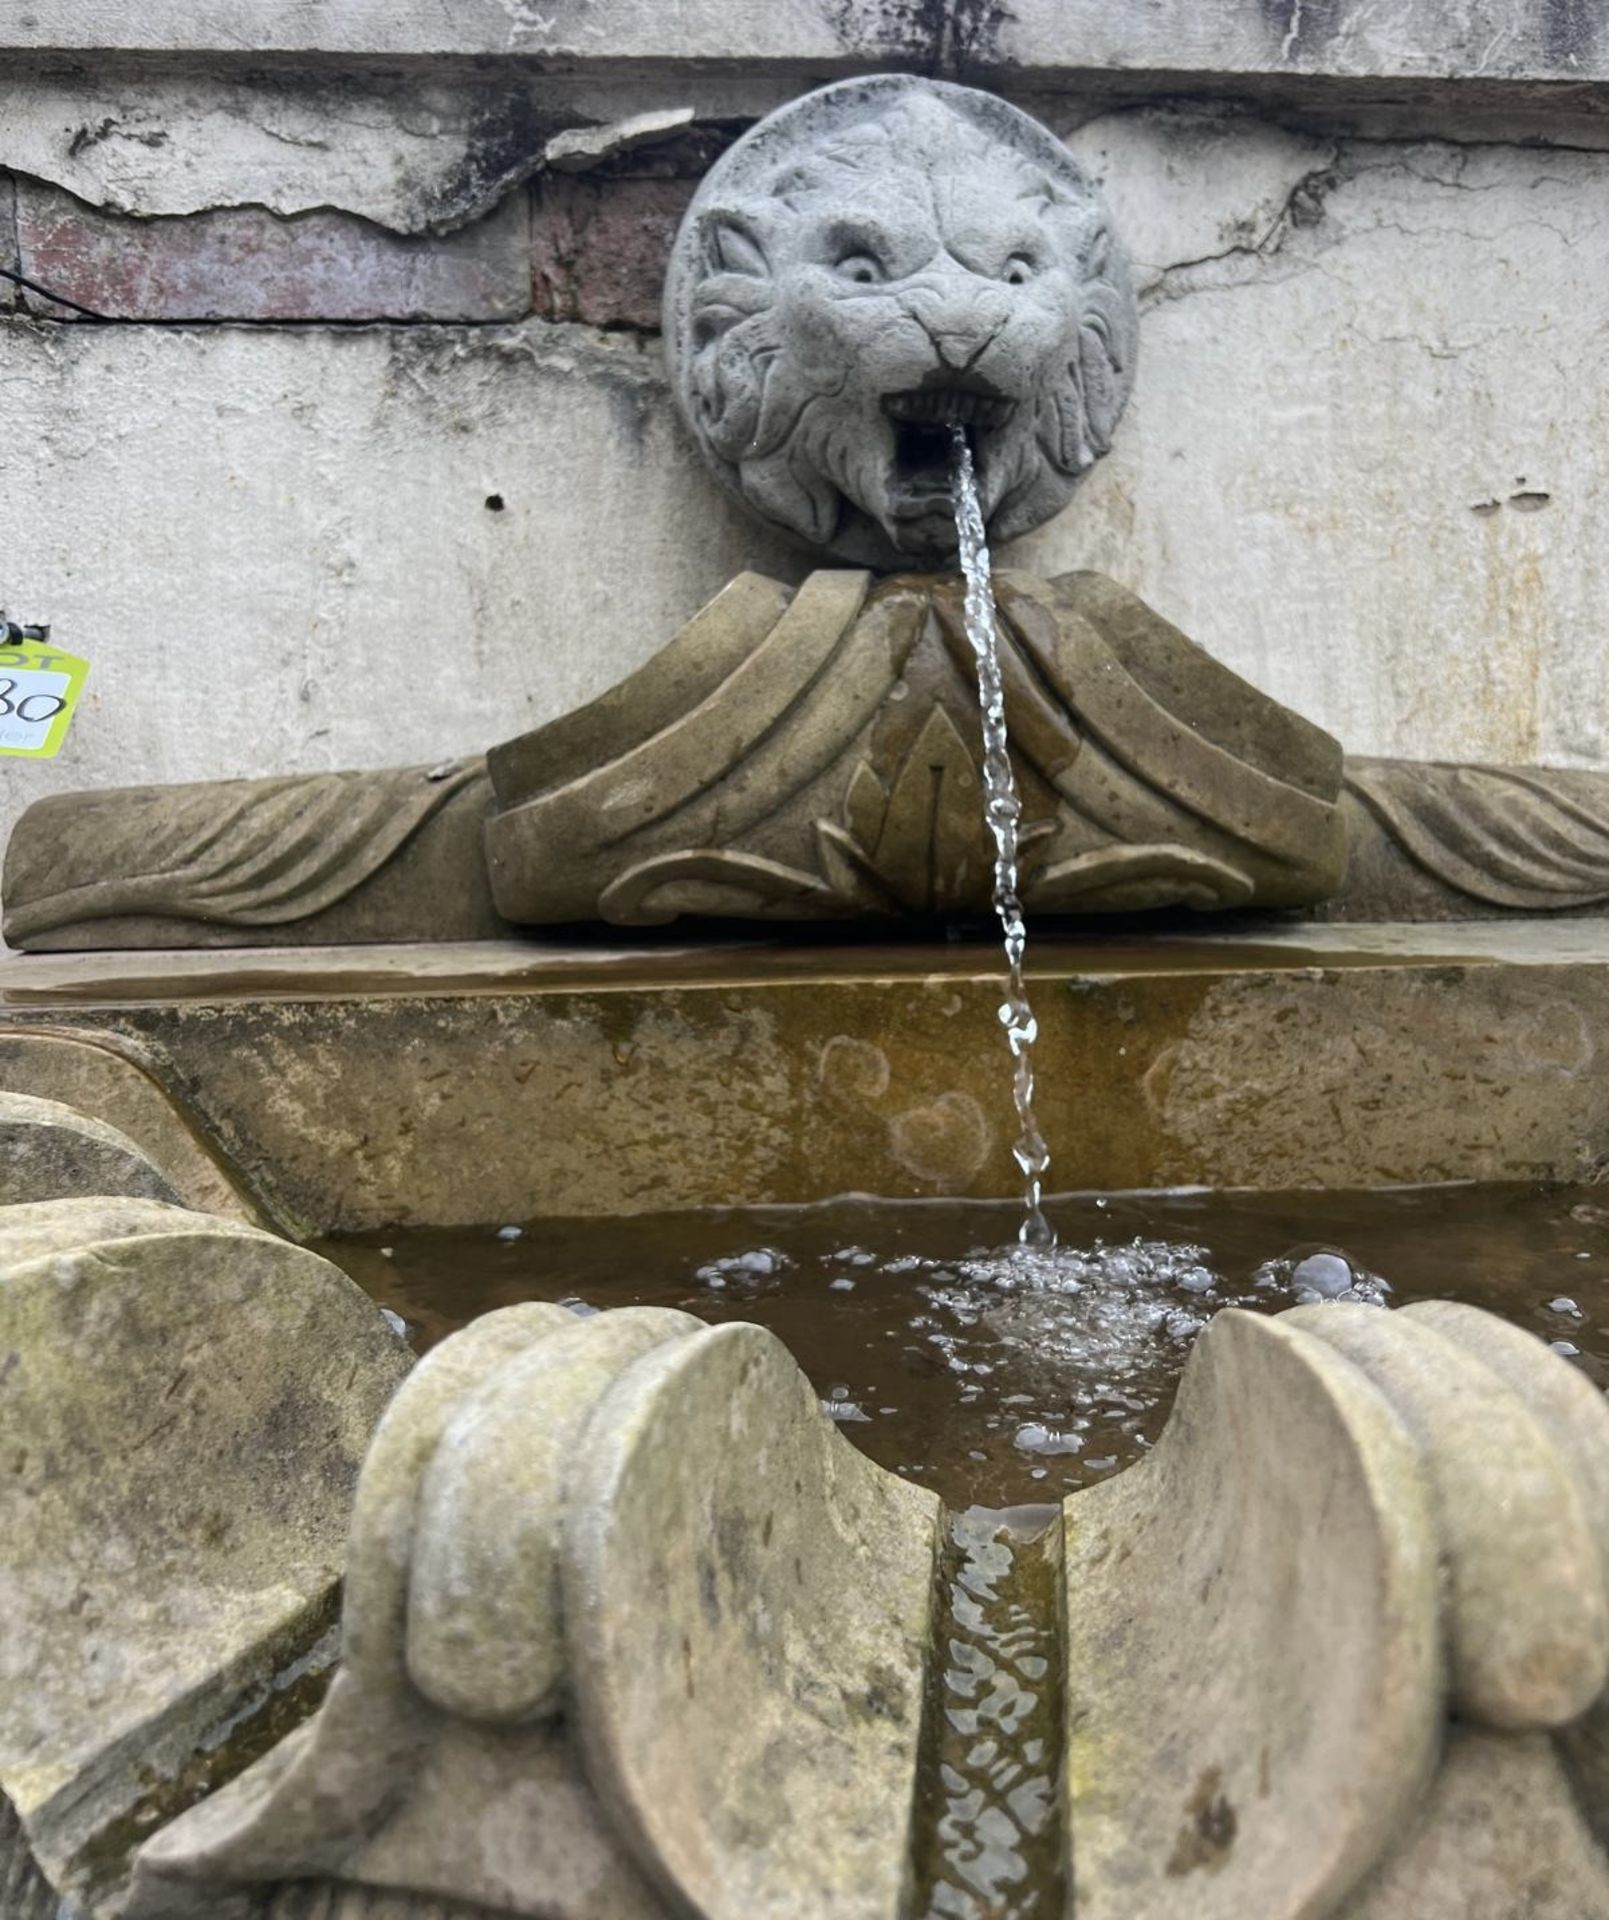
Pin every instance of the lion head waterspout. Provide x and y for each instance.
(873, 264)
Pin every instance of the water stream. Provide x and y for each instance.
(992, 1845)
(1002, 808)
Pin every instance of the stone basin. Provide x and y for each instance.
(629, 1628)
(583, 1078)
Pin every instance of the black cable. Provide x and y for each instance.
(59, 299)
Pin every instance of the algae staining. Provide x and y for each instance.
(1207, 1835)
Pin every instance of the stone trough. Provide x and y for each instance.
(628, 1626)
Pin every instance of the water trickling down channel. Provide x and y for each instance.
(991, 1845)
(1002, 809)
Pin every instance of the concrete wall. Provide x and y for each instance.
(355, 307)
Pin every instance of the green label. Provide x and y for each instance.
(39, 688)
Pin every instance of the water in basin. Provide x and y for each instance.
(999, 1374)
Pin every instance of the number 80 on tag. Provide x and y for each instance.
(39, 687)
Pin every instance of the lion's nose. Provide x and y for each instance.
(961, 347)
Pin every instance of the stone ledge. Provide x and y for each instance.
(1503, 43)
(166, 1367)
(1313, 1057)
(65, 983)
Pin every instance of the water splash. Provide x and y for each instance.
(1002, 808)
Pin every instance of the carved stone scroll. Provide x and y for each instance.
(632, 1632)
(1434, 841)
(821, 761)
(334, 856)
(184, 1405)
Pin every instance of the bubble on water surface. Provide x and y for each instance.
(1313, 1275)
(758, 1267)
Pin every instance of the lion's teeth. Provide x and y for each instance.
(949, 406)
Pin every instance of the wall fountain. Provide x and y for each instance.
(627, 1626)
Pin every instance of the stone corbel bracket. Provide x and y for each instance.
(617, 1595)
(812, 756)
(632, 1632)
(185, 1402)
(1339, 1645)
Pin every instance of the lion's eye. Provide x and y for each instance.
(865, 269)
(1021, 267)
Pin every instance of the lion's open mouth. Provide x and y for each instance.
(924, 419)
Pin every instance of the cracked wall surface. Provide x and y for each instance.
(1363, 463)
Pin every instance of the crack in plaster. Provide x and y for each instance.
(1293, 31)
(1348, 162)
(1303, 205)
(10, 249)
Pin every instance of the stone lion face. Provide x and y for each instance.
(869, 268)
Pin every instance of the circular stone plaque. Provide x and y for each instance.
(869, 268)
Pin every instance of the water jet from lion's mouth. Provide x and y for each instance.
(1002, 810)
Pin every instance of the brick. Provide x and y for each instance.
(244, 263)
(599, 246)
(8, 241)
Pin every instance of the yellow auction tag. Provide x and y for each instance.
(39, 687)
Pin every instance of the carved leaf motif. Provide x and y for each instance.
(932, 845)
(864, 805)
(925, 843)
(234, 853)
